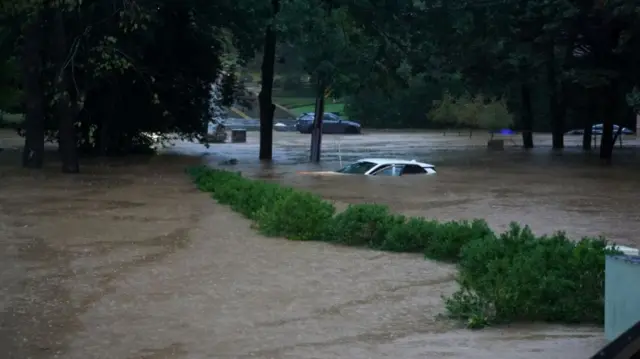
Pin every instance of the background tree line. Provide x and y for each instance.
(98, 76)
(559, 63)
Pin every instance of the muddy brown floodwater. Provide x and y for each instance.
(569, 191)
(129, 261)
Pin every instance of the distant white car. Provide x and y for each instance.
(388, 167)
(597, 130)
(283, 127)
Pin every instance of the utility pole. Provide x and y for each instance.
(316, 132)
(265, 98)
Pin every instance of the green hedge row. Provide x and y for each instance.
(513, 276)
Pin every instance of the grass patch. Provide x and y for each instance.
(300, 105)
(10, 120)
(507, 277)
(292, 102)
(329, 107)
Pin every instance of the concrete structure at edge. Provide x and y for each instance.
(239, 135)
(622, 292)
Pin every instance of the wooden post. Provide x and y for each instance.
(316, 132)
(265, 98)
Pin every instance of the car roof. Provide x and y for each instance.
(313, 114)
(394, 161)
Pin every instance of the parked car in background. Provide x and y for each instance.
(332, 123)
(597, 130)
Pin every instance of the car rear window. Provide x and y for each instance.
(413, 170)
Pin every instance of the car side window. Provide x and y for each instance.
(391, 170)
(413, 170)
(385, 171)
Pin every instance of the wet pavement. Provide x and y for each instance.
(128, 260)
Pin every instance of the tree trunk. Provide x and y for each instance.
(591, 119)
(557, 115)
(566, 84)
(609, 106)
(265, 98)
(33, 152)
(526, 116)
(606, 140)
(103, 137)
(587, 136)
(103, 134)
(68, 138)
(316, 132)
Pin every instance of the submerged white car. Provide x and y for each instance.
(388, 167)
(382, 167)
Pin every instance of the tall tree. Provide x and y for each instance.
(32, 67)
(64, 112)
(104, 73)
(325, 43)
(265, 98)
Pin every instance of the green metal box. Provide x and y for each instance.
(621, 294)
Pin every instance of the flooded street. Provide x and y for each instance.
(129, 261)
(570, 191)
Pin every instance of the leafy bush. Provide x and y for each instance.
(415, 235)
(298, 216)
(518, 276)
(209, 180)
(451, 237)
(471, 112)
(257, 196)
(362, 225)
(514, 276)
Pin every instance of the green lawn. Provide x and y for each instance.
(11, 117)
(330, 107)
(291, 102)
(10, 120)
(300, 105)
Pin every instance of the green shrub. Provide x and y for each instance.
(514, 276)
(298, 216)
(520, 277)
(259, 196)
(415, 235)
(362, 225)
(450, 237)
(210, 180)
(229, 190)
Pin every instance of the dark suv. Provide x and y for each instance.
(332, 124)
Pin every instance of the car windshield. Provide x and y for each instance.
(357, 168)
